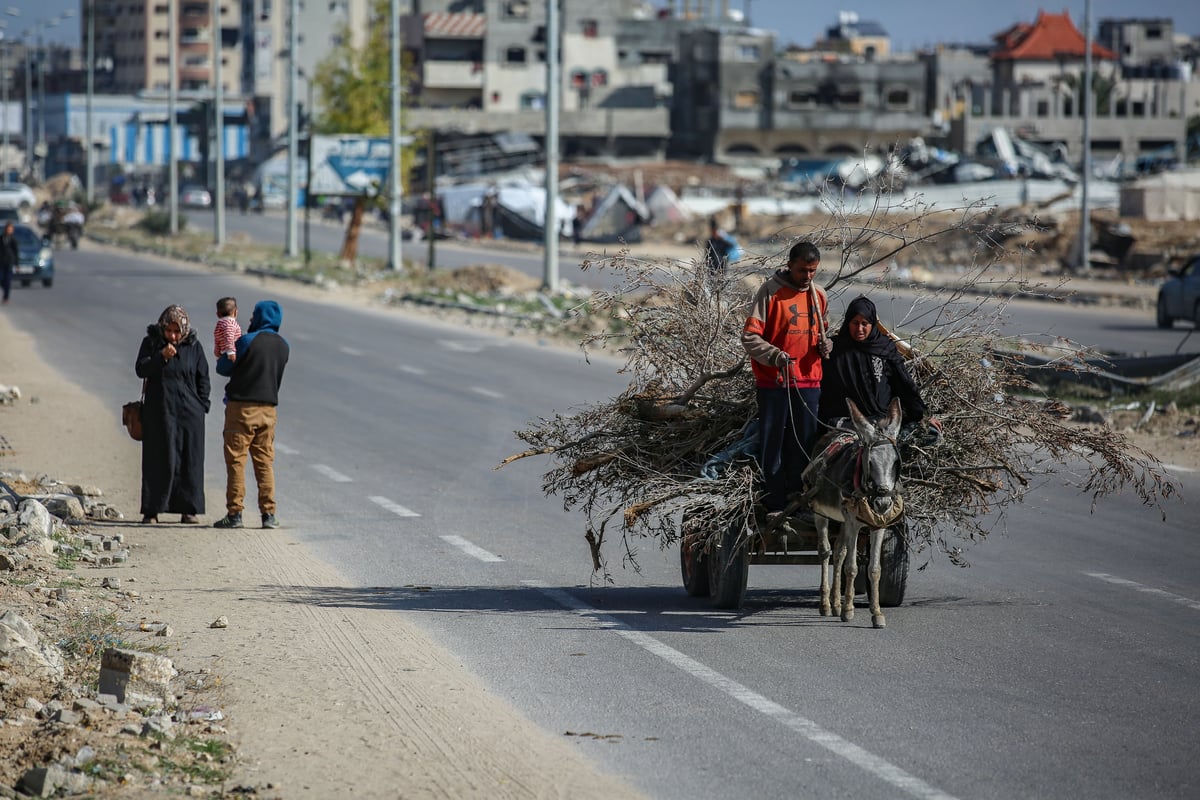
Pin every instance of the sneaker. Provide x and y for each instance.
(269, 521)
(229, 521)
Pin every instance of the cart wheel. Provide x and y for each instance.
(893, 565)
(692, 563)
(893, 570)
(693, 566)
(728, 570)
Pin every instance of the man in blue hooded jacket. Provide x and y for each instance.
(251, 396)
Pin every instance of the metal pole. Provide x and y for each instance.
(41, 139)
(172, 124)
(28, 110)
(394, 190)
(218, 129)
(1085, 223)
(89, 182)
(4, 72)
(431, 170)
(308, 158)
(550, 257)
(293, 123)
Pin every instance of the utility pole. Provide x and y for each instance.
(28, 108)
(394, 190)
(550, 256)
(218, 129)
(1085, 223)
(4, 72)
(293, 122)
(172, 123)
(308, 164)
(89, 183)
(431, 172)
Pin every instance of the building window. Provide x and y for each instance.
(591, 28)
(514, 55)
(851, 98)
(160, 11)
(745, 99)
(898, 98)
(748, 52)
(1043, 108)
(516, 9)
(1153, 32)
(802, 98)
(533, 101)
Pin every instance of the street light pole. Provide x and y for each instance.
(293, 123)
(172, 123)
(550, 256)
(219, 129)
(91, 77)
(394, 191)
(28, 108)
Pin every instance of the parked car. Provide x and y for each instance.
(37, 258)
(1179, 296)
(10, 215)
(195, 197)
(16, 195)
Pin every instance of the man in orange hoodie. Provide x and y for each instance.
(785, 337)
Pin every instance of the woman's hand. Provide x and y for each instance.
(169, 352)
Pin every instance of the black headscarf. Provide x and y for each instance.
(876, 344)
(851, 371)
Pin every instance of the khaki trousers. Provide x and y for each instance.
(249, 429)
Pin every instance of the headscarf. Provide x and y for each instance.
(174, 313)
(876, 344)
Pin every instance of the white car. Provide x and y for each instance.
(195, 197)
(16, 195)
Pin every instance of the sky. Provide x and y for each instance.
(911, 25)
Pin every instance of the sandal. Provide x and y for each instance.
(189, 519)
(149, 519)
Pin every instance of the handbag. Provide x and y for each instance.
(131, 416)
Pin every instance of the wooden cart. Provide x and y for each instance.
(722, 572)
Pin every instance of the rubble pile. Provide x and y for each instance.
(89, 705)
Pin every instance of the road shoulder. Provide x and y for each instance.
(325, 692)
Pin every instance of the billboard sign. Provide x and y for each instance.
(351, 164)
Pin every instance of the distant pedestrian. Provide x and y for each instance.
(10, 257)
(577, 226)
(252, 396)
(716, 250)
(171, 361)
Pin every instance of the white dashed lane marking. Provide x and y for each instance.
(487, 392)
(395, 508)
(1141, 587)
(859, 757)
(332, 474)
(350, 351)
(411, 370)
(471, 549)
(287, 451)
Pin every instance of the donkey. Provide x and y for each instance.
(864, 495)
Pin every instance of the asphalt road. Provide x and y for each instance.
(1062, 663)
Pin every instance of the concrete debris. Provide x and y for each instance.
(53, 658)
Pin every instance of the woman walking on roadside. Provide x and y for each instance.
(171, 360)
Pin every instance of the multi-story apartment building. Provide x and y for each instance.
(134, 35)
(480, 66)
(736, 98)
(1035, 71)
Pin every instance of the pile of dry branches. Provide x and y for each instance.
(635, 461)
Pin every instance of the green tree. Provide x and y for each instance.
(354, 87)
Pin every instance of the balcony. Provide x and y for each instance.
(453, 75)
(594, 122)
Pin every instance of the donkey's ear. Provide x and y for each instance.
(891, 423)
(856, 416)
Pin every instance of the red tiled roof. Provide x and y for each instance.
(1051, 37)
(455, 26)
